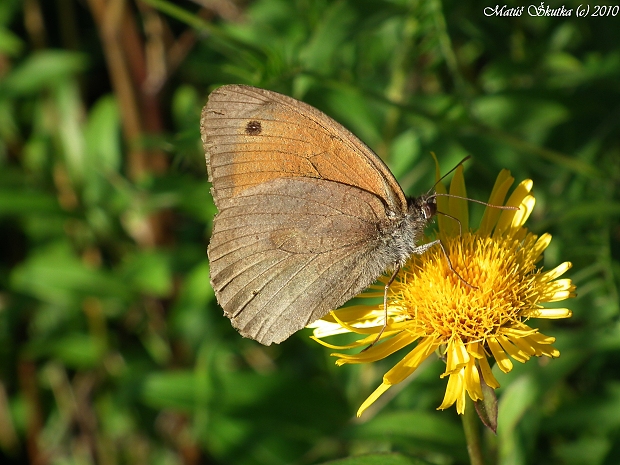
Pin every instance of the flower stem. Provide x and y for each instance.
(472, 432)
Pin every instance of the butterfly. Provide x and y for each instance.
(309, 216)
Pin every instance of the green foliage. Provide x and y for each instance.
(112, 347)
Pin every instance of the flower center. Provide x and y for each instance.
(439, 304)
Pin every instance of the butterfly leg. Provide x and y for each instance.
(420, 249)
(452, 268)
(424, 247)
(385, 319)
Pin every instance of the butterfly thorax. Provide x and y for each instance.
(405, 231)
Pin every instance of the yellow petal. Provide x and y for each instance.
(355, 329)
(454, 391)
(503, 362)
(487, 374)
(541, 244)
(524, 346)
(457, 356)
(411, 361)
(377, 351)
(560, 289)
(543, 349)
(541, 338)
(549, 313)
(518, 330)
(444, 222)
(372, 397)
(351, 313)
(557, 271)
(472, 381)
(498, 194)
(515, 200)
(523, 213)
(512, 350)
(458, 207)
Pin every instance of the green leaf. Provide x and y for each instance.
(44, 69)
(419, 425)
(190, 316)
(487, 407)
(186, 105)
(69, 129)
(526, 115)
(325, 44)
(54, 274)
(103, 137)
(10, 44)
(80, 351)
(24, 202)
(175, 389)
(148, 272)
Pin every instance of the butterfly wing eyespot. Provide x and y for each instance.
(253, 128)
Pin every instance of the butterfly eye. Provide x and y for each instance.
(429, 209)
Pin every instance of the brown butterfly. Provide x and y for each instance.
(308, 217)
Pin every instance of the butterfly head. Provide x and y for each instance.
(424, 206)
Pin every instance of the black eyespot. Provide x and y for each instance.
(253, 128)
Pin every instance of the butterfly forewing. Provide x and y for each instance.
(254, 135)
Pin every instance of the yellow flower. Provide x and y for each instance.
(430, 306)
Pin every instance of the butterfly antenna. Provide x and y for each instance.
(442, 178)
(501, 207)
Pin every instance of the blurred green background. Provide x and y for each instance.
(112, 347)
